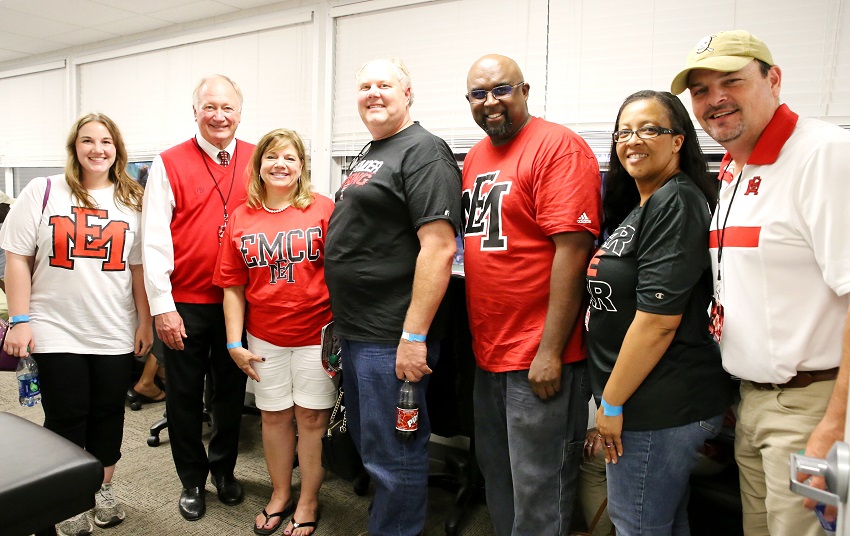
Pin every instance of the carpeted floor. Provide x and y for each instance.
(147, 485)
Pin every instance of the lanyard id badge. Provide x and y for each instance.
(715, 324)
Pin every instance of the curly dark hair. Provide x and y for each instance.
(620, 194)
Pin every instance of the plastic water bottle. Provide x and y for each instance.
(29, 389)
(407, 413)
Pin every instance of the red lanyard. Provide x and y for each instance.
(224, 200)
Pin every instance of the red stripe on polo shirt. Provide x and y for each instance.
(735, 237)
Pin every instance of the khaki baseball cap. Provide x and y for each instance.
(724, 51)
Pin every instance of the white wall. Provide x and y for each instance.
(297, 65)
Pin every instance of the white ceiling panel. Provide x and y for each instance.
(83, 36)
(84, 13)
(133, 25)
(189, 12)
(10, 54)
(147, 6)
(27, 45)
(247, 4)
(32, 27)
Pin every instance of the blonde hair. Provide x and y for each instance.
(400, 71)
(196, 94)
(127, 191)
(279, 138)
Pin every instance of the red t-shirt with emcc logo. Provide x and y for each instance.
(516, 196)
(280, 258)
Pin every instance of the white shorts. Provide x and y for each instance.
(291, 376)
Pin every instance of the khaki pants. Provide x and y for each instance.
(771, 426)
(593, 489)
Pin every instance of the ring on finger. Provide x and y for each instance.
(609, 445)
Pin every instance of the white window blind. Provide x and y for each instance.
(438, 42)
(802, 41)
(34, 119)
(601, 52)
(149, 95)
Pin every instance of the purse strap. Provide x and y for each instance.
(598, 515)
(337, 406)
(46, 196)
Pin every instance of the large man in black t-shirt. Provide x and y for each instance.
(388, 259)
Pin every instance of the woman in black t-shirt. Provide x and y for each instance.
(654, 367)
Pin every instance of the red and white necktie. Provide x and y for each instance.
(223, 158)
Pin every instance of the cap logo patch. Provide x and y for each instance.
(704, 44)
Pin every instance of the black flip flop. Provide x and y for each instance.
(288, 509)
(307, 524)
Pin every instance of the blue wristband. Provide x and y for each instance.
(232, 345)
(19, 319)
(611, 411)
(412, 337)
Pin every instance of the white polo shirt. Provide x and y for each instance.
(785, 263)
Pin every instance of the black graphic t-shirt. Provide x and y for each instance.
(402, 183)
(657, 261)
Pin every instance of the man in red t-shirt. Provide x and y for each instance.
(531, 193)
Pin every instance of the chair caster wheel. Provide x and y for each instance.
(153, 441)
(135, 405)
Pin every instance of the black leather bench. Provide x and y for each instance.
(44, 478)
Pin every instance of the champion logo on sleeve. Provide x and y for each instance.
(583, 218)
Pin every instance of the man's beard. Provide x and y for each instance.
(497, 132)
(728, 135)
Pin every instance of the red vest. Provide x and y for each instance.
(199, 213)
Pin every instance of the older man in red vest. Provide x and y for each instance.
(191, 190)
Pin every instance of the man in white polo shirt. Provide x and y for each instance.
(781, 265)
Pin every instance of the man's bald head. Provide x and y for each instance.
(492, 62)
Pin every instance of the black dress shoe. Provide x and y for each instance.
(193, 504)
(229, 489)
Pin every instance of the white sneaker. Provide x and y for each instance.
(78, 525)
(107, 511)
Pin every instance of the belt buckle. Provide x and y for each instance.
(802, 379)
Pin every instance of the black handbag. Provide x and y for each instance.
(339, 455)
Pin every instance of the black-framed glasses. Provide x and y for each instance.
(644, 133)
(499, 93)
(357, 159)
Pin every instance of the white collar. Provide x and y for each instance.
(212, 150)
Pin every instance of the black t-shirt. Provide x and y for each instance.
(402, 183)
(657, 261)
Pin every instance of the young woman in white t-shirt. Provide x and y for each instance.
(77, 299)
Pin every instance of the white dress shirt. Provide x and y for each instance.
(157, 245)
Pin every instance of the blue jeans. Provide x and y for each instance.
(648, 488)
(399, 470)
(529, 449)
